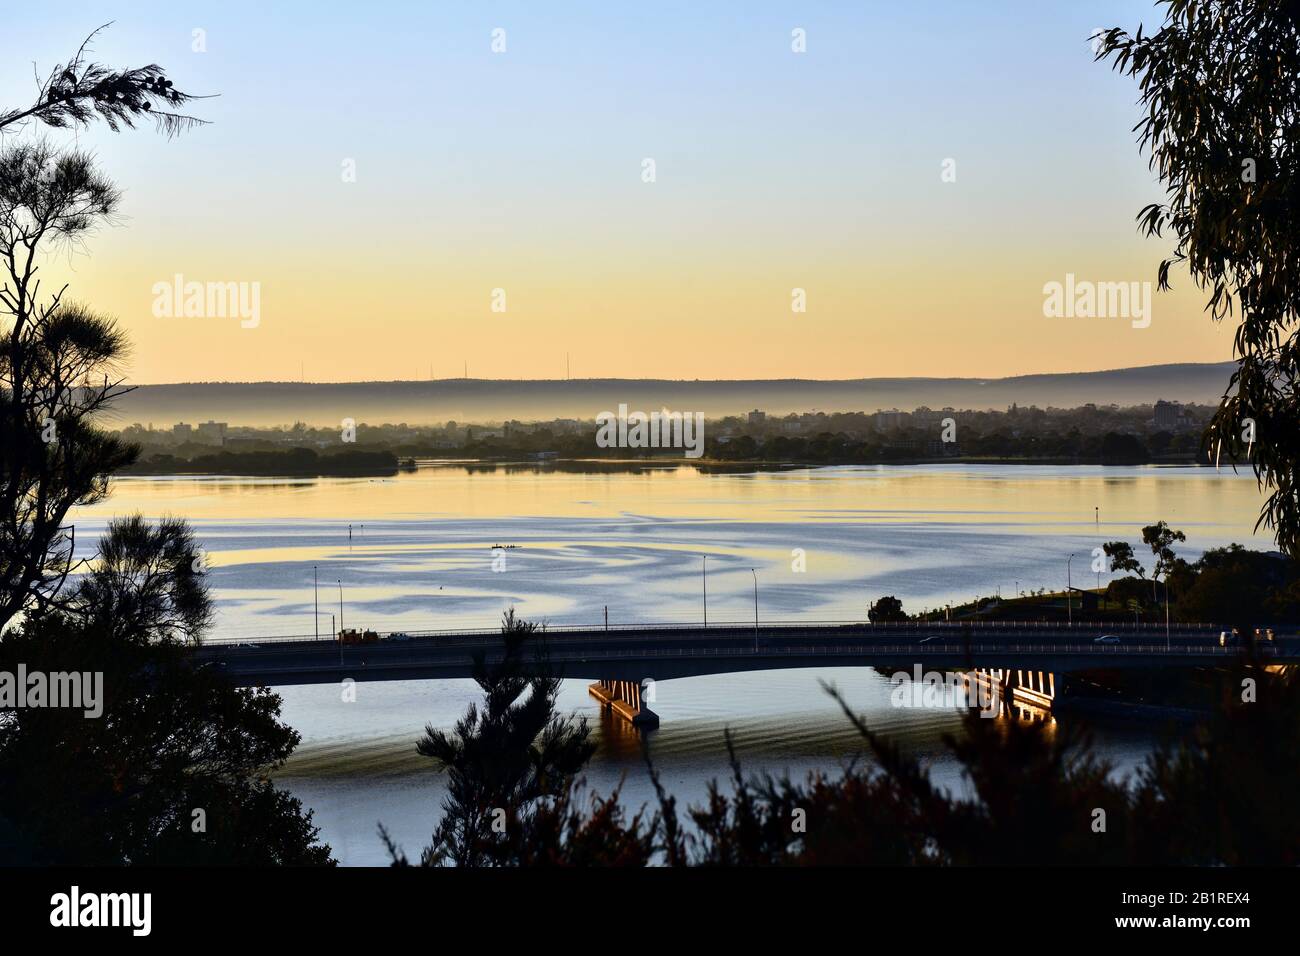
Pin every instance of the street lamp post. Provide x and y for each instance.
(315, 590)
(1069, 600)
(755, 574)
(340, 630)
(1166, 613)
(1097, 511)
(705, 579)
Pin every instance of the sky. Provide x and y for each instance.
(386, 183)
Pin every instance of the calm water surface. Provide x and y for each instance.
(419, 555)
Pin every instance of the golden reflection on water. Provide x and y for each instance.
(1051, 497)
(413, 550)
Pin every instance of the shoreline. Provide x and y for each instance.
(630, 464)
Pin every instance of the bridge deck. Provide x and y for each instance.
(663, 653)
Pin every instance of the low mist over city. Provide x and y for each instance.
(476, 400)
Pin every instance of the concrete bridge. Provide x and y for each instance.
(1022, 657)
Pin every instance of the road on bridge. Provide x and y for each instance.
(665, 652)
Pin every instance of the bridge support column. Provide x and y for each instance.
(986, 687)
(1032, 691)
(623, 697)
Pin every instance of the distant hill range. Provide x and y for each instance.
(486, 400)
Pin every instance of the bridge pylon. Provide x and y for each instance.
(623, 697)
(1031, 693)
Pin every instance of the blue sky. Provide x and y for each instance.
(519, 170)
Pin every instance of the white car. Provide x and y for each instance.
(1107, 639)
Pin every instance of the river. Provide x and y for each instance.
(454, 545)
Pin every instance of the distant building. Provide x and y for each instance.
(887, 421)
(211, 433)
(182, 432)
(1167, 414)
(757, 418)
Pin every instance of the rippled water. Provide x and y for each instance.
(420, 556)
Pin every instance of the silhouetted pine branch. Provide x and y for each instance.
(79, 91)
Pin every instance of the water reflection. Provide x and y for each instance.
(631, 540)
(592, 538)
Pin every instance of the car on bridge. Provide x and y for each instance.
(1233, 638)
(1228, 638)
(1108, 639)
(400, 636)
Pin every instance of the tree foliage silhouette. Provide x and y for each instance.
(58, 371)
(504, 756)
(1221, 126)
(1031, 802)
(176, 741)
(1122, 557)
(59, 361)
(1034, 794)
(77, 92)
(174, 736)
(1227, 796)
(147, 582)
(885, 609)
(1160, 538)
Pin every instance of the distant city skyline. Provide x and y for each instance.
(517, 178)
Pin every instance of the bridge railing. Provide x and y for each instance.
(778, 625)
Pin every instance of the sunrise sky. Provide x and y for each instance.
(522, 171)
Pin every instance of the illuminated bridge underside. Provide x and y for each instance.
(623, 697)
